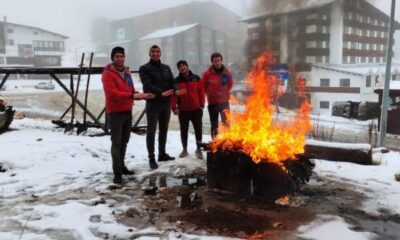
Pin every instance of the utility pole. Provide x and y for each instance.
(388, 75)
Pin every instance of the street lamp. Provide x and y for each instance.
(385, 97)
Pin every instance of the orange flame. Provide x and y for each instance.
(254, 131)
(233, 100)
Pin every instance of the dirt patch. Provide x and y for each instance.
(195, 209)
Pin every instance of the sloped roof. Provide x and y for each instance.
(288, 6)
(37, 28)
(167, 32)
(359, 69)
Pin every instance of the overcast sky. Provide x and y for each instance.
(72, 17)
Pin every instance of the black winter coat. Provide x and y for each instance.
(157, 78)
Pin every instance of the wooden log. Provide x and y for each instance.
(229, 172)
(339, 152)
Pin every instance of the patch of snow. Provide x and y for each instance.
(360, 146)
(332, 228)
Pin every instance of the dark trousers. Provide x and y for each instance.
(120, 126)
(157, 113)
(215, 110)
(196, 117)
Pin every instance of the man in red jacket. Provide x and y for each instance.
(218, 83)
(120, 93)
(189, 106)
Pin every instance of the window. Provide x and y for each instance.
(310, 59)
(368, 81)
(344, 82)
(324, 82)
(311, 44)
(376, 80)
(311, 29)
(190, 40)
(363, 59)
(11, 42)
(324, 104)
(352, 59)
(394, 77)
(255, 36)
(312, 16)
(10, 30)
(370, 59)
(1, 60)
(120, 34)
(255, 49)
(35, 33)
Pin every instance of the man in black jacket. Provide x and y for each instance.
(158, 79)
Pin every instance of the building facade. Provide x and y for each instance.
(193, 42)
(127, 32)
(321, 39)
(22, 45)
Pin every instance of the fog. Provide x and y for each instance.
(73, 17)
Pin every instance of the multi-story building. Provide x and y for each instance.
(193, 42)
(128, 32)
(322, 39)
(22, 45)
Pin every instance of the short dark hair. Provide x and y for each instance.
(216, 55)
(116, 50)
(181, 62)
(154, 47)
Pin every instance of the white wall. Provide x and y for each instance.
(25, 35)
(356, 81)
(336, 33)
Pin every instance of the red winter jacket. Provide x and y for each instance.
(217, 85)
(118, 91)
(194, 98)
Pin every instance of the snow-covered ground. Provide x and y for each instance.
(54, 182)
(21, 86)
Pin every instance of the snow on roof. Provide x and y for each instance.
(166, 32)
(283, 7)
(37, 28)
(119, 42)
(360, 69)
(360, 146)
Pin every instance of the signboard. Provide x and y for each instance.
(25, 51)
(280, 71)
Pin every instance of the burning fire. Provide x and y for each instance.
(233, 100)
(255, 131)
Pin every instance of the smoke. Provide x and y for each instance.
(270, 6)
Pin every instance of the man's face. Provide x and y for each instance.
(217, 62)
(183, 68)
(155, 54)
(119, 60)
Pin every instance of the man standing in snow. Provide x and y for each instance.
(218, 83)
(189, 107)
(119, 94)
(158, 79)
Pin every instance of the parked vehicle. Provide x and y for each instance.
(45, 86)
